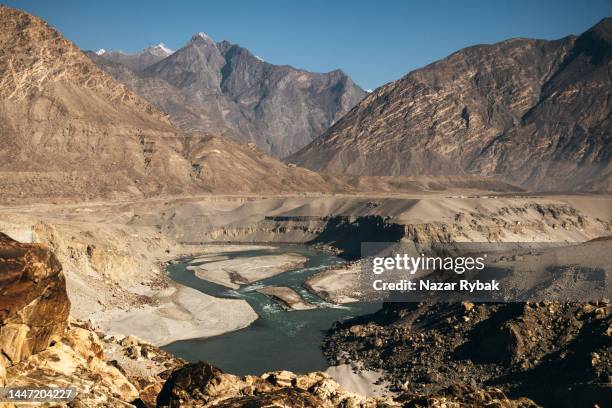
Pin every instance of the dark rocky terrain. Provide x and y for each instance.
(222, 88)
(557, 354)
(531, 112)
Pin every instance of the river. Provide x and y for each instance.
(279, 339)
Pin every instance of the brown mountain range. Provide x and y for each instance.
(534, 113)
(69, 130)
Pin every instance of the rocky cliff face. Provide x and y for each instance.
(69, 130)
(34, 305)
(222, 88)
(534, 113)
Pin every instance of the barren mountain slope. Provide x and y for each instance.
(224, 89)
(532, 112)
(222, 165)
(69, 130)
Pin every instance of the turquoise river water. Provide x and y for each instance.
(279, 339)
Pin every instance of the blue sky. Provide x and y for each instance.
(373, 41)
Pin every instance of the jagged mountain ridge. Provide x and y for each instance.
(138, 61)
(69, 130)
(534, 113)
(224, 89)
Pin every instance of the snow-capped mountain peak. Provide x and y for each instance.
(159, 50)
(201, 36)
(101, 51)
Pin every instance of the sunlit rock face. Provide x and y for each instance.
(40, 345)
(34, 305)
(202, 385)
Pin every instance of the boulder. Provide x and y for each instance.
(34, 305)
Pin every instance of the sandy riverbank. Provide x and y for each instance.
(235, 272)
(179, 313)
(288, 297)
(115, 277)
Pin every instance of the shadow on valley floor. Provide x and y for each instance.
(347, 234)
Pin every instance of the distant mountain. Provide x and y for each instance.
(224, 89)
(68, 130)
(531, 112)
(138, 61)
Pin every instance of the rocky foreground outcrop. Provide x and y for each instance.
(201, 385)
(40, 347)
(34, 305)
